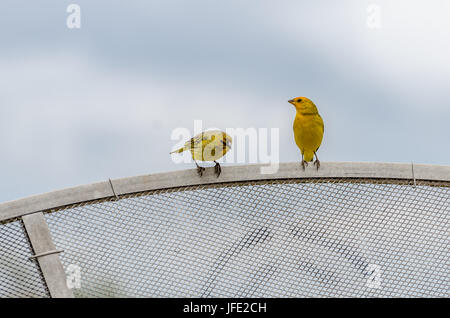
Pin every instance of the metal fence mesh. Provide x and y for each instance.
(288, 238)
(19, 277)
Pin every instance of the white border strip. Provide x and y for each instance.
(95, 191)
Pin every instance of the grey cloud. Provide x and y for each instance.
(80, 106)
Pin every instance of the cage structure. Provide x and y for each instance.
(346, 230)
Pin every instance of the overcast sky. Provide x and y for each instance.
(84, 105)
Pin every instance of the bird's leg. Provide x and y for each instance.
(199, 169)
(317, 162)
(217, 169)
(304, 163)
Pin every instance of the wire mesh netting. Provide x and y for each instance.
(19, 277)
(286, 238)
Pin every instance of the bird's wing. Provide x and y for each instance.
(194, 142)
(321, 124)
(201, 140)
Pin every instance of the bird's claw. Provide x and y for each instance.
(217, 169)
(303, 164)
(317, 163)
(200, 170)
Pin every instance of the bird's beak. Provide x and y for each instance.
(226, 143)
(291, 101)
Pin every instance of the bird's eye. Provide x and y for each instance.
(299, 100)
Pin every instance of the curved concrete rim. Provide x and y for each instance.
(252, 172)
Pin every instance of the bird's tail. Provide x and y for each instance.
(308, 156)
(178, 150)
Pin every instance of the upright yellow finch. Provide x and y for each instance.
(308, 129)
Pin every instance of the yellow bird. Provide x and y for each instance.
(207, 146)
(308, 129)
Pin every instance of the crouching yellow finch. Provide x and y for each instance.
(308, 129)
(207, 146)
